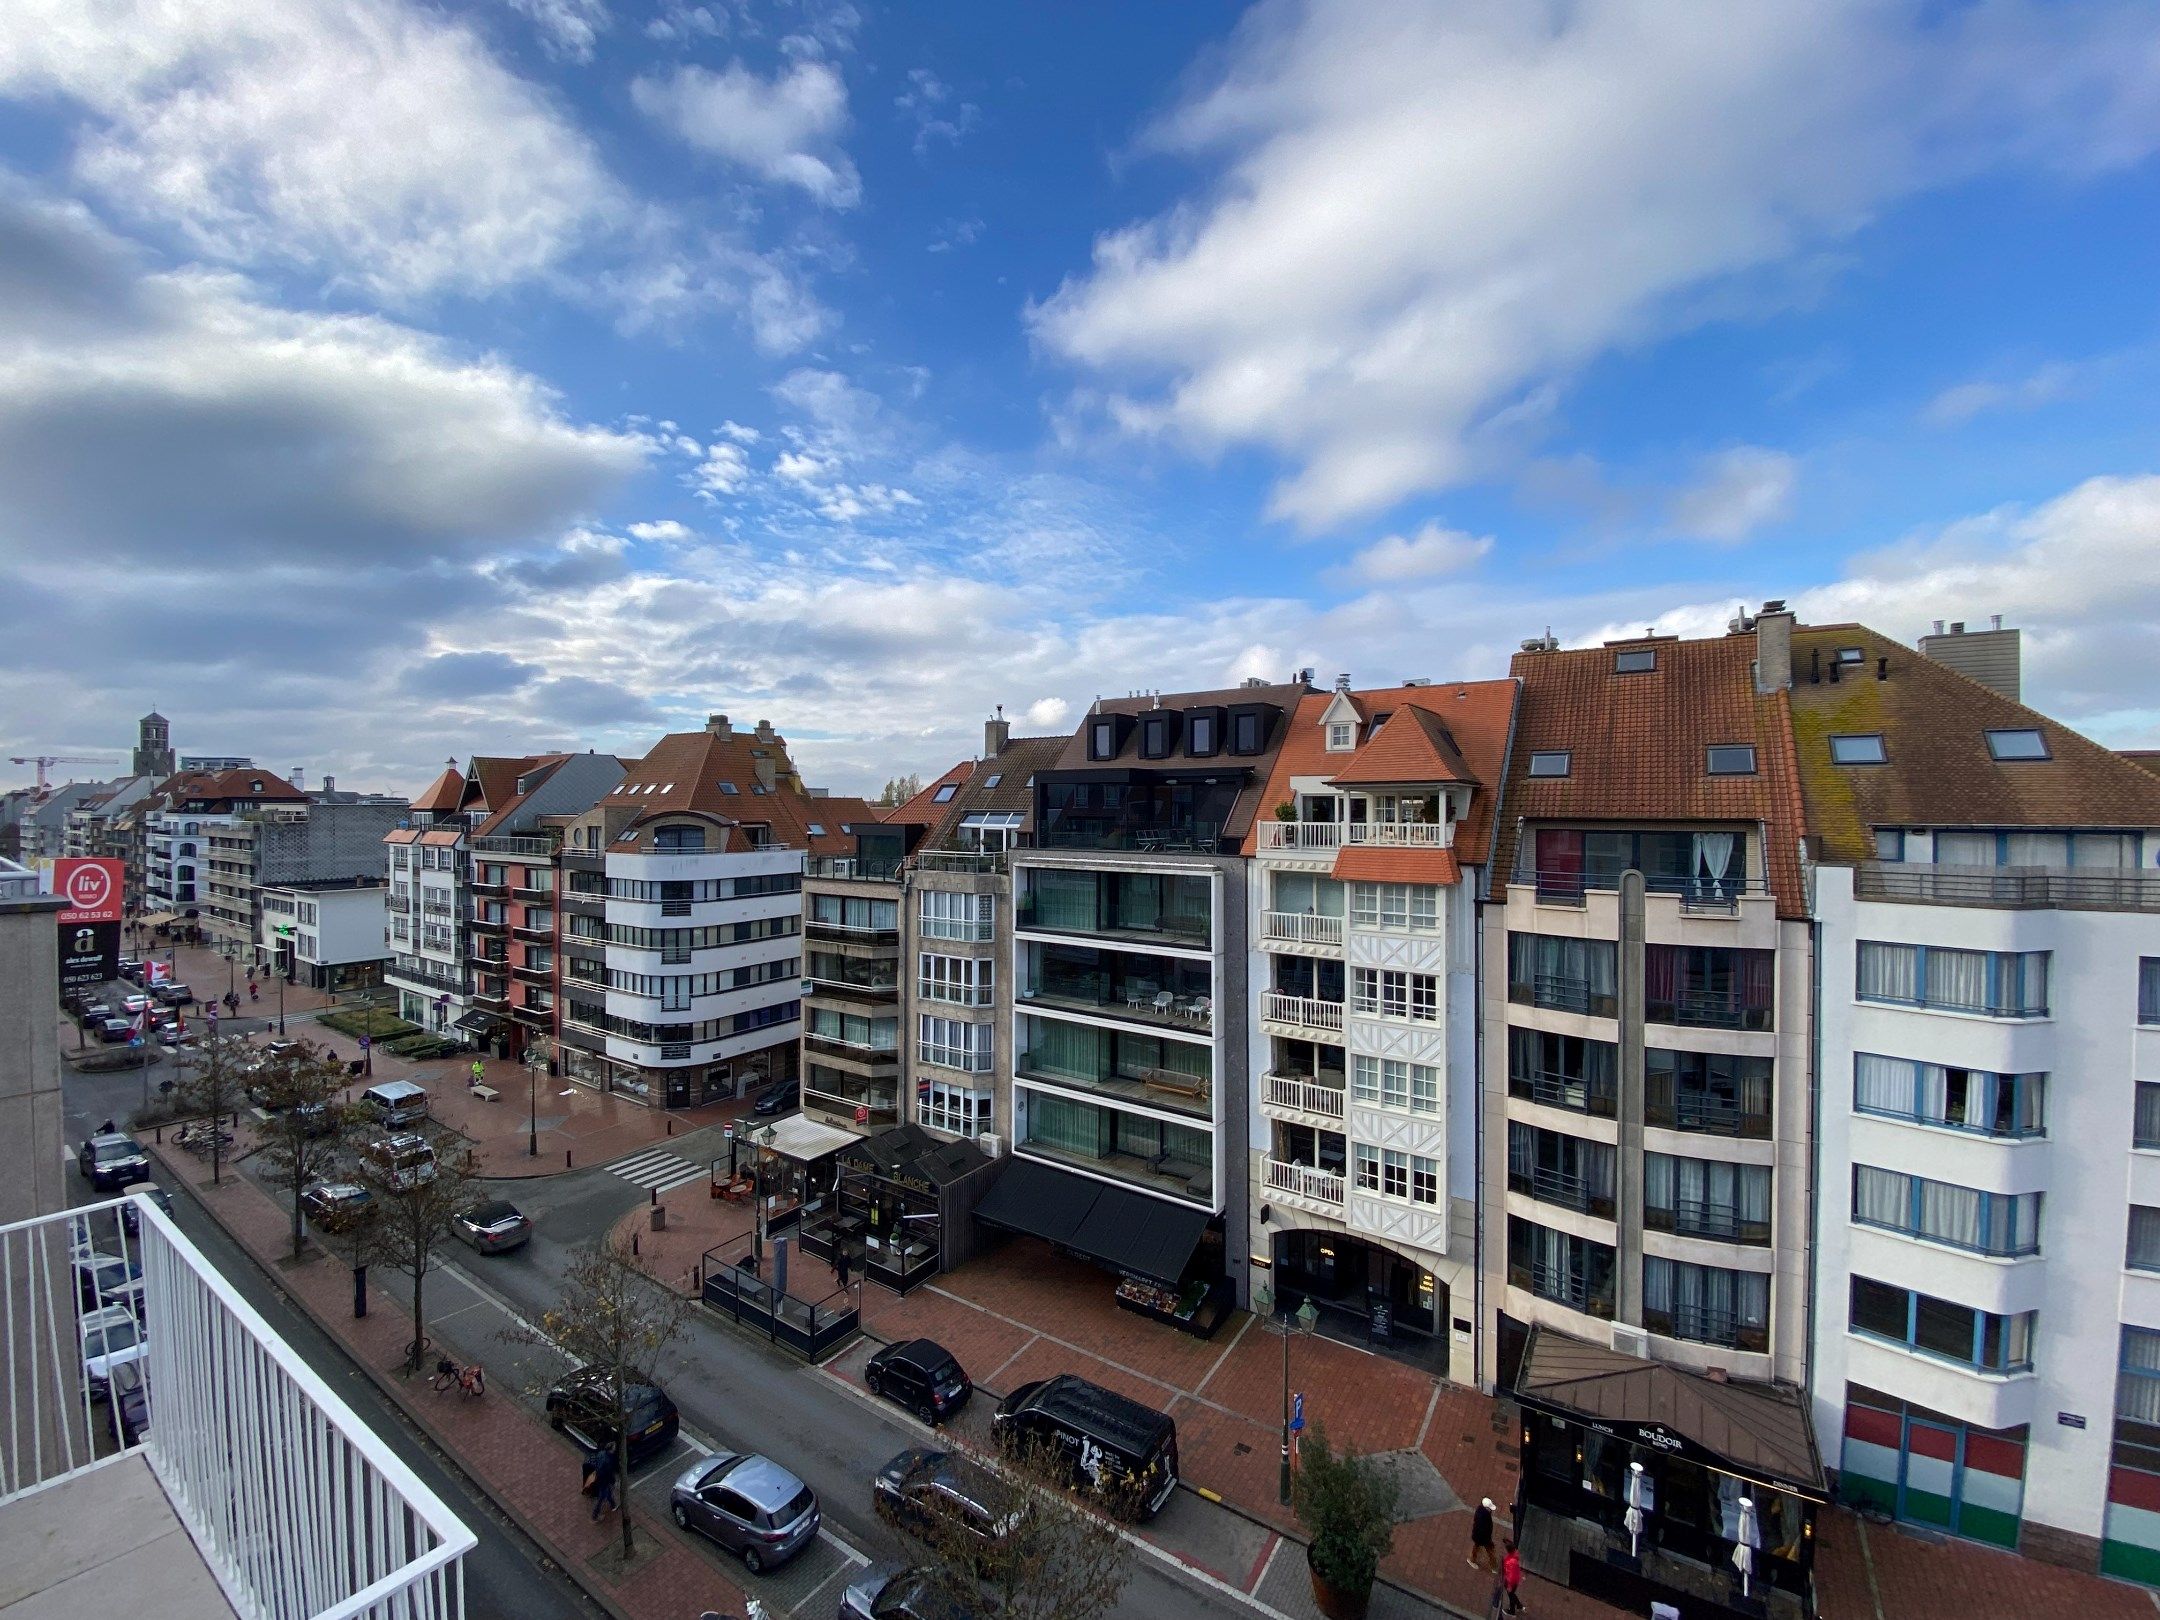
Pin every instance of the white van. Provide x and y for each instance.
(396, 1102)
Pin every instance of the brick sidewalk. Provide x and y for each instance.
(511, 1453)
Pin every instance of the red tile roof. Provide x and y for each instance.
(926, 809)
(1377, 863)
(440, 797)
(684, 771)
(1412, 746)
(262, 787)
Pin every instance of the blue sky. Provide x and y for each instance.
(383, 381)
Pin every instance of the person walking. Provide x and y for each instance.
(479, 1072)
(602, 1465)
(841, 1263)
(1481, 1533)
(1511, 1577)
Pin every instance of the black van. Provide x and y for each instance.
(1101, 1438)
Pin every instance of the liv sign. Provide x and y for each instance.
(90, 922)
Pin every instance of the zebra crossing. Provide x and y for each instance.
(658, 1170)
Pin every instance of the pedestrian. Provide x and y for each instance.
(1511, 1577)
(254, 993)
(479, 1072)
(601, 1465)
(840, 1263)
(1481, 1546)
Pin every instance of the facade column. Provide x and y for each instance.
(1628, 1173)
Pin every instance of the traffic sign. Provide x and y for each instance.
(134, 1040)
(1297, 1413)
(365, 1043)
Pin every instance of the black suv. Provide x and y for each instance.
(110, 1161)
(921, 1375)
(580, 1404)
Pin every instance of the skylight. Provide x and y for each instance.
(1852, 655)
(1553, 762)
(2023, 743)
(993, 780)
(1864, 749)
(1729, 759)
(944, 794)
(731, 790)
(817, 829)
(1634, 660)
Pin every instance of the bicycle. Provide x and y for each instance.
(471, 1381)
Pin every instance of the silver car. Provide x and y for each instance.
(751, 1506)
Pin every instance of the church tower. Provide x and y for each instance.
(153, 746)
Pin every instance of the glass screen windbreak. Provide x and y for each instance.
(1166, 815)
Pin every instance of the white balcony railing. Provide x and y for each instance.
(1303, 1011)
(1301, 835)
(1404, 834)
(1305, 1096)
(1300, 928)
(296, 1506)
(1305, 1181)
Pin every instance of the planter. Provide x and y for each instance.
(1334, 1602)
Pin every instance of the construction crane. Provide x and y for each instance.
(41, 761)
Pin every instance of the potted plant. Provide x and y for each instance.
(1348, 1507)
(1286, 811)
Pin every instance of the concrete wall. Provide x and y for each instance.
(33, 1178)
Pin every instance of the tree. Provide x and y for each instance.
(616, 1322)
(308, 1136)
(1348, 1506)
(411, 1222)
(900, 789)
(1055, 1554)
(217, 1086)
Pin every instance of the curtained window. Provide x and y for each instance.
(2144, 1252)
(2145, 1130)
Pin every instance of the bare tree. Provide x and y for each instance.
(900, 789)
(617, 1324)
(215, 1087)
(308, 1136)
(1038, 1550)
(411, 1220)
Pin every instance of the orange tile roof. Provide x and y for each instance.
(1378, 863)
(242, 785)
(442, 835)
(925, 809)
(441, 796)
(1636, 745)
(1413, 746)
(1476, 715)
(402, 835)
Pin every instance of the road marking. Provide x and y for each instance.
(1431, 1406)
(657, 1170)
(1264, 1563)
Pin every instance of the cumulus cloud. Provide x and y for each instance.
(1432, 551)
(568, 29)
(784, 130)
(1046, 715)
(928, 103)
(666, 531)
(1739, 491)
(1425, 213)
(1960, 403)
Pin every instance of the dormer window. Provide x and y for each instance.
(1203, 732)
(1158, 734)
(1102, 740)
(1248, 731)
(1341, 737)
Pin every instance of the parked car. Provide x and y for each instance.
(137, 1003)
(110, 1161)
(494, 1227)
(781, 1097)
(396, 1102)
(129, 1413)
(889, 1592)
(173, 995)
(1097, 1438)
(129, 967)
(111, 1337)
(335, 1206)
(397, 1163)
(921, 1375)
(750, 1505)
(116, 1031)
(144, 1189)
(945, 1499)
(580, 1405)
(106, 1279)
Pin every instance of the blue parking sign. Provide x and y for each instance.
(1297, 1413)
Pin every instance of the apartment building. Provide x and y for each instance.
(1987, 1317)
(90, 818)
(1645, 1155)
(182, 879)
(1376, 827)
(1131, 1028)
(424, 908)
(327, 836)
(851, 971)
(681, 919)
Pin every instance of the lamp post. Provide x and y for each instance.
(536, 1058)
(1299, 1323)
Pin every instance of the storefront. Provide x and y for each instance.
(797, 1167)
(901, 1206)
(1703, 1466)
(1168, 1256)
(1367, 1294)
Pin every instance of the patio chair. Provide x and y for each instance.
(1165, 1003)
(1200, 1009)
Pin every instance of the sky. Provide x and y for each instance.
(385, 382)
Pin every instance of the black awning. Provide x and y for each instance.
(1124, 1230)
(476, 1023)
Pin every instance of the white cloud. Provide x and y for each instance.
(1433, 550)
(724, 471)
(664, 530)
(785, 130)
(928, 100)
(739, 433)
(568, 29)
(1739, 491)
(1960, 403)
(372, 141)
(1426, 212)
(1047, 715)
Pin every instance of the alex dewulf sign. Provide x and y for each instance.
(90, 922)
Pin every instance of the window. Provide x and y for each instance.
(944, 794)
(1559, 1266)
(855, 1029)
(942, 1106)
(1708, 986)
(1959, 1099)
(1634, 660)
(1706, 1198)
(957, 916)
(1706, 1304)
(1341, 738)
(1852, 655)
(1863, 748)
(1889, 843)
(1563, 1071)
(1550, 762)
(1998, 984)
(1409, 1177)
(1941, 1212)
(1401, 907)
(679, 838)
(992, 780)
(1729, 759)
(1941, 1327)
(1388, 994)
(1557, 1168)
(1393, 1083)
(1203, 733)
(2144, 1251)
(1716, 1093)
(1248, 732)
(853, 915)
(2145, 1119)
(965, 980)
(1102, 740)
(1567, 975)
(2022, 743)
(2149, 989)
(953, 1044)
(1158, 734)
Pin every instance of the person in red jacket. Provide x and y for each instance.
(1511, 1577)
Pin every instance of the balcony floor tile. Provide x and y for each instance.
(136, 1560)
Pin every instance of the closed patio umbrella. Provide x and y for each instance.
(1638, 1498)
(1744, 1545)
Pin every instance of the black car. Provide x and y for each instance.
(129, 1394)
(115, 1031)
(888, 1592)
(173, 995)
(336, 1206)
(93, 1011)
(110, 1161)
(581, 1405)
(157, 1195)
(921, 1375)
(946, 1500)
(107, 1279)
(778, 1098)
(494, 1226)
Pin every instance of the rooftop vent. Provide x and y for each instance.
(1546, 643)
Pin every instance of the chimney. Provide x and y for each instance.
(329, 785)
(766, 772)
(718, 725)
(997, 732)
(1992, 657)
(297, 774)
(764, 731)
(1773, 648)
(1342, 682)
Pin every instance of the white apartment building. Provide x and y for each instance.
(1374, 831)
(328, 936)
(1987, 1327)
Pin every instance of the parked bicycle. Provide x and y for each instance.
(449, 1375)
(198, 1136)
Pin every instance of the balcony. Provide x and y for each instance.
(492, 927)
(851, 869)
(851, 933)
(1693, 1217)
(394, 901)
(491, 994)
(1697, 895)
(1171, 1090)
(1702, 1113)
(1304, 1180)
(1302, 1013)
(534, 936)
(2010, 888)
(1563, 1287)
(534, 975)
(1301, 929)
(1703, 1324)
(1294, 837)
(532, 1016)
(1180, 932)
(531, 896)
(489, 891)
(1136, 1002)
(961, 860)
(865, 987)
(291, 1505)
(1301, 1094)
(523, 847)
(853, 1051)
(1576, 1093)
(1707, 1009)
(1558, 992)
(839, 1093)
(1563, 1189)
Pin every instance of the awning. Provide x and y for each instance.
(1755, 1431)
(1126, 1231)
(476, 1022)
(157, 919)
(803, 1139)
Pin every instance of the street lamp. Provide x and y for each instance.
(1299, 1323)
(535, 1060)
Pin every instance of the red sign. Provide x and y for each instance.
(90, 887)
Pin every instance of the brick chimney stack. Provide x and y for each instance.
(997, 733)
(718, 725)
